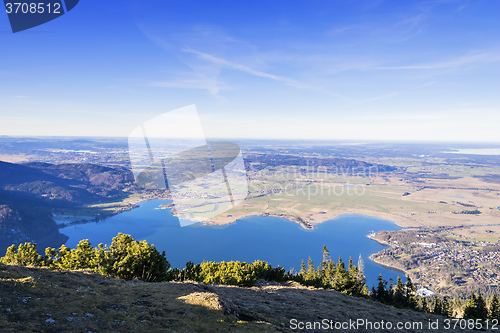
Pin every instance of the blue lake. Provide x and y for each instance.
(275, 240)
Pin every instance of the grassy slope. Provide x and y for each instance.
(40, 300)
(79, 302)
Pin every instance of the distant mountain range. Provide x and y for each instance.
(28, 193)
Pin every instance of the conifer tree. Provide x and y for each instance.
(311, 272)
(303, 269)
(399, 293)
(390, 291)
(326, 255)
(457, 303)
(340, 280)
(326, 269)
(438, 308)
(351, 278)
(494, 308)
(381, 292)
(482, 310)
(364, 290)
(424, 307)
(446, 310)
(475, 308)
(470, 307)
(24, 255)
(410, 294)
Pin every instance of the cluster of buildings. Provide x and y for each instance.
(449, 262)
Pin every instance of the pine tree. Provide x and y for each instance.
(390, 292)
(327, 269)
(310, 267)
(26, 255)
(470, 307)
(340, 280)
(446, 308)
(410, 294)
(399, 293)
(326, 254)
(323, 267)
(308, 273)
(482, 311)
(457, 303)
(354, 284)
(494, 308)
(381, 292)
(424, 307)
(475, 308)
(303, 268)
(364, 290)
(10, 256)
(438, 307)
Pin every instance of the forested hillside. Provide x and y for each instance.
(29, 192)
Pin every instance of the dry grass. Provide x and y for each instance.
(40, 300)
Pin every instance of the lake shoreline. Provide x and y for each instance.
(378, 262)
(311, 223)
(393, 268)
(311, 220)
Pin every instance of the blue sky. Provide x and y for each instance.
(352, 70)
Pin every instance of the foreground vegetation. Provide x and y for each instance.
(44, 300)
(129, 259)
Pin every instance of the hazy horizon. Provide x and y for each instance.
(318, 141)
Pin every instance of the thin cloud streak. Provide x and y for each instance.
(228, 64)
(470, 59)
(287, 81)
(203, 84)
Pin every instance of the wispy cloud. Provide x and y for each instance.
(212, 85)
(205, 67)
(398, 117)
(232, 65)
(223, 63)
(463, 61)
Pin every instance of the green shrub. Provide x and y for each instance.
(129, 259)
(83, 257)
(233, 273)
(25, 255)
(126, 258)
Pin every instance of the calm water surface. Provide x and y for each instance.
(275, 240)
